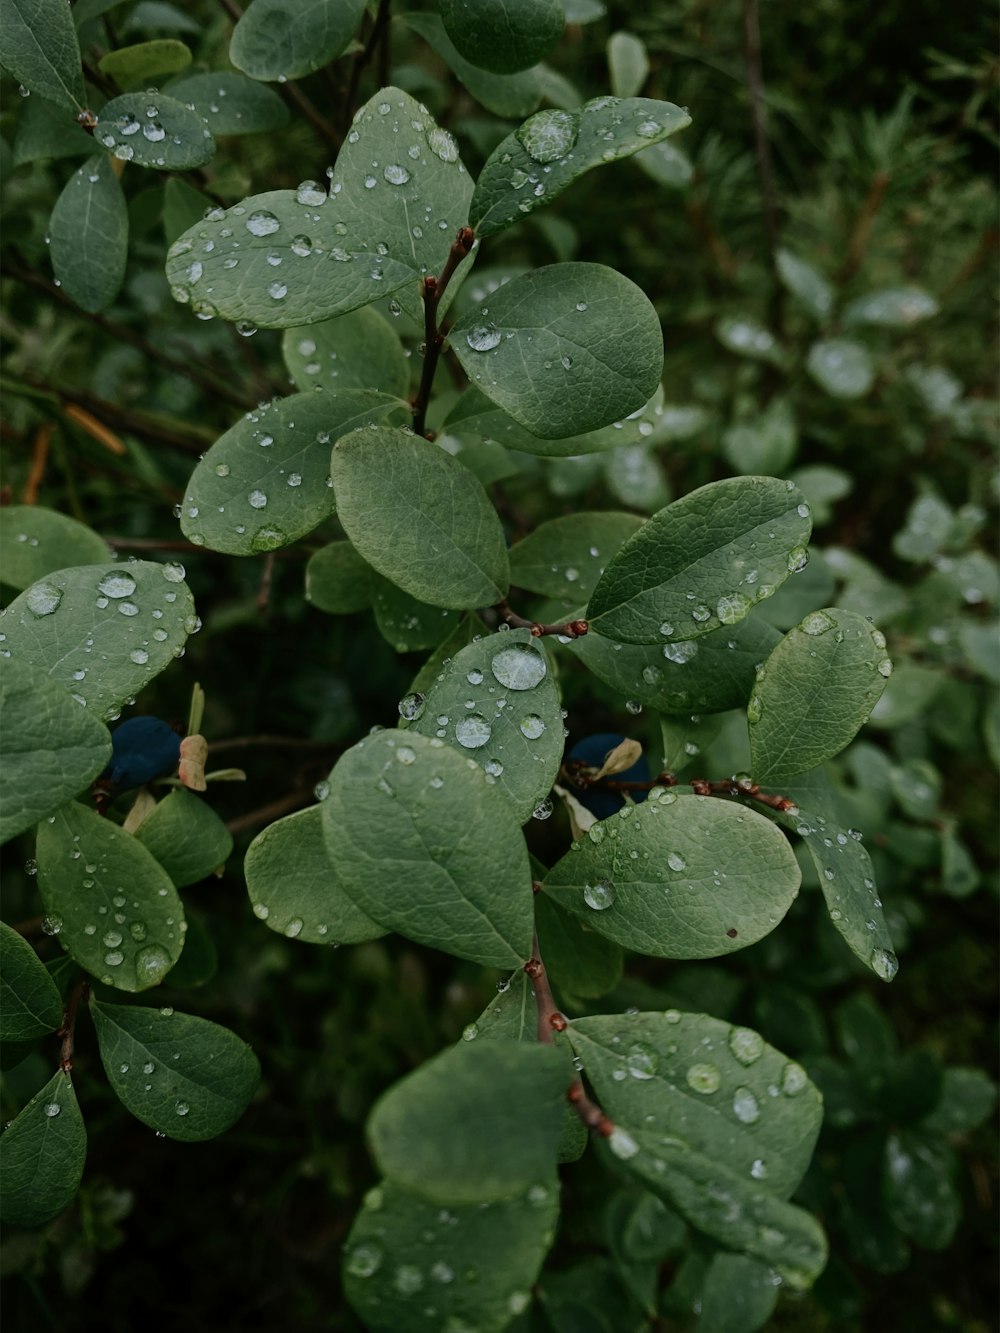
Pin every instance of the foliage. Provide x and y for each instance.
(585, 484)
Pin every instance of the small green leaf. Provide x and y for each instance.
(812, 587)
(508, 95)
(579, 961)
(119, 913)
(707, 877)
(41, 50)
(814, 693)
(565, 349)
(375, 233)
(533, 166)
(102, 631)
(338, 580)
(702, 562)
(89, 232)
(50, 749)
(666, 164)
(628, 64)
(183, 1076)
(153, 130)
(739, 1295)
(479, 1122)
(30, 1004)
(280, 39)
(497, 703)
(920, 1192)
(406, 623)
(182, 207)
(294, 885)
(229, 103)
(186, 836)
(967, 1099)
(744, 336)
(145, 63)
(42, 1156)
(895, 308)
(807, 284)
(355, 351)
(420, 518)
(503, 36)
(410, 1264)
(265, 482)
(426, 847)
(764, 444)
(45, 131)
(566, 556)
(842, 367)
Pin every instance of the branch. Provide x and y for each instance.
(860, 236)
(270, 742)
(431, 290)
(567, 629)
(68, 1030)
(293, 800)
(758, 113)
(575, 772)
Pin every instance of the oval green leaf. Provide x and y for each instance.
(145, 63)
(566, 349)
(116, 909)
(338, 580)
(42, 1155)
(230, 103)
(565, 557)
(89, 233)
(153, 130)
(894, 308)
(404, 622)
(420, 518)
(503, 36)
(41, 51)
(30, 1004)
(35, 541)
(355, 351)
(281, 39)
(508, 95)
(186, 836)
(842, 367)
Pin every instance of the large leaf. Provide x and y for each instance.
(30, 1004)
(532, 166)
(507, 95)
(89, 235)
(50, 749)
(564, 349)
(102, 631)
(679, 877)
(717, 1122)
(814, 693)
(404, 621)
(153, 130)
(479, 1122)
(183, 1076)
(420, 518)
(42, 1155)
(113, 905)
(266, 482)
(920, 1190)
(229, 103)
(566, 556)
(289, 257)
(410, 1264)
(503, 35)
(41, 51)
(294, 884)
(283, 39)
(496, 702)
(355, 351)
(35, 541)
(702, 562)
(425, 846)
(186, 836)
(145, 63)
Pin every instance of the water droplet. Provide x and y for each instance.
(518, 668)
(262, 223)
(531, 726)
(548, 135)
(483, 337)
(117, 585)
(703, 1078)
(261, 912)
(675, 861)
(600, 895)
(733, 608)
(114, 959)
(746, 1108)
(411, 706)
(470, 1032)
(493, 767)
(633, 706)
(885, 667)
(151, 965)
(294, 927)
(475, 677)
(647, 129)
(622, 1144)
(51, 924)
(51, 1109)
(139, 656)
(181, 1108)
(364, 1261)
(473, 731)
(405, 756)
(746, 1045)
(543, 809)
(817, 622)
(758, 1170)
(442, 145)
(797, 560)
(641, 1061)
(301, 246)
(257, 499)
(43, 598)
(884, 963)
(793, 1079)
(277, 291)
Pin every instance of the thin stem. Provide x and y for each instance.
(758, 113)
(857, 247)
(266, 577)
(576, 775)
(362, 58)
(68, 1030)
(139, 423)
(432, 289)
(568, 629)
(265, 814)
(265, 741)
(39, 458)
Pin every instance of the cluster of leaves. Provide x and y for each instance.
(714, 617)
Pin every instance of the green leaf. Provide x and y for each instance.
(404, 622)
(807, 284)
(764, 444)
(145, 63)
(739, 1295)
(579, 961)
(30, 1004)
(265, 482)
(707, 877)
(40, 50)
(811, 588)
(509, 95)
(566, 556)
(186, 836)
(920, 1192)
(533, 166)
(511, 1014)
(667, 165)
(684, 738)
(229, 103)
(708, 675)
(42, 1156)
(565, 349)
(183, 1076)
(182, 207)
(280, 39)
(409, 1264)
(497, 703)
(426, 847)
(503, 35)
(355, 351)
(200, 960)
(895, 308)
(908, 695)
(744, 336)
(420, 518)
(50, 749)
(469, 625)
(636, 478)
(702, 562)
(102, 631)
(814, 693)
(377, 232)
(959, 873)
(479, 1122)
(295, 887)
(842, 367)
(117, 911)
(153, 130)
(628, 64)
(89, 233)
(967, 1099)
(715, 1121)
(338, 580)
(45, 131)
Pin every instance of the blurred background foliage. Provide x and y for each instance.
(883, 134)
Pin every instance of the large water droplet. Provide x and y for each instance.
(483, 337)
(600, 895)
(884, 963)
(622, 1144)
(641, 1061)
(518, 668)
(746, 1045)
(42, 598)
(531, 726)
(152, 964)
(442, 145)
(117, 585)
(473, 731)
(411, 706)
(262, 223)
(793, 1079)
(817, 622)
(548, 135)
(703, 1078)
(395, 174)
(746, 1108)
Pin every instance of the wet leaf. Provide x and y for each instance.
(42, 1155)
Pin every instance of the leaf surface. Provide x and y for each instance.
(41, 51)
(338, 580)
(566, 556)
(503, 35)
(89, 235)
(230, 103)
(285, 39)
(507, 95)
(359, 350)
(35, 541)
(186, 836)
(153, 130)
(30, 1004)
(42, 1155)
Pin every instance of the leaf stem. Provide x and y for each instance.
(762, 147)
(575, 773)
(80, 991)
(431, 291)
(568, 629)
